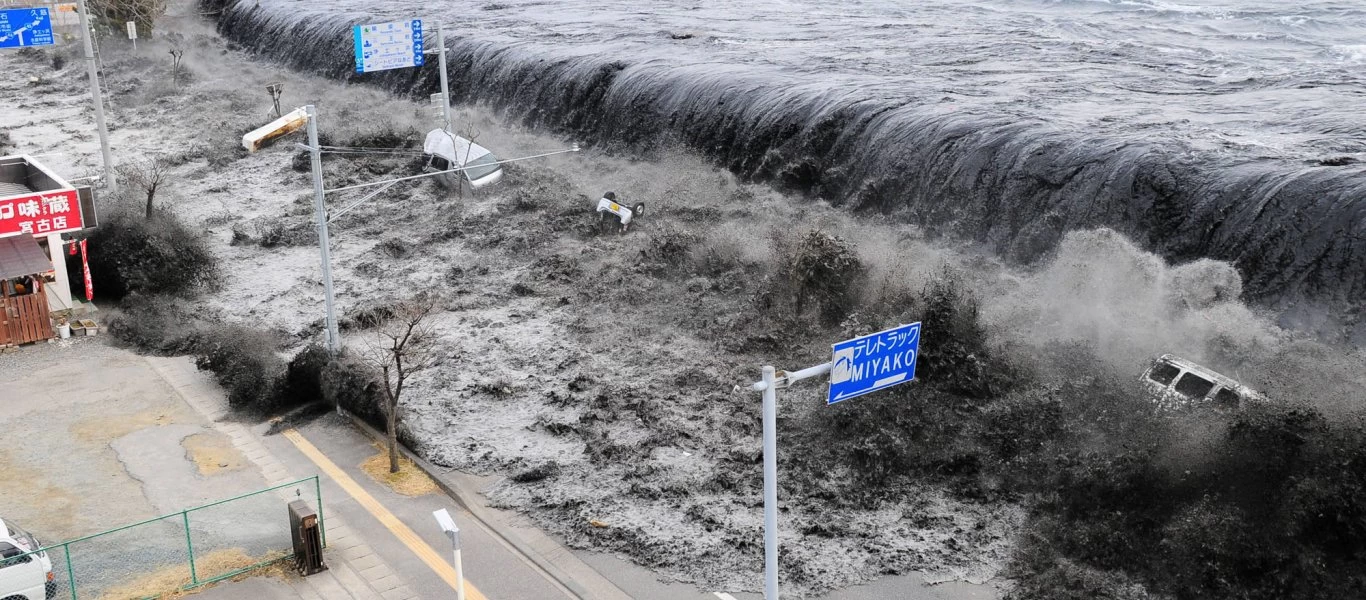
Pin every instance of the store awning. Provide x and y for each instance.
(20, 255)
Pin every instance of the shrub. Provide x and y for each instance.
(245, 363)
(352, 384)
(302, 383)
(159, 255)
(819, 271)
(154, 324)
(112, 14)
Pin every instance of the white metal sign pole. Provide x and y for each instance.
(770, 485)
(94, 73)
(445, 85)
(320, 207)
(769, 386)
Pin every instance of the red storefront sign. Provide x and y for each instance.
(40, 213)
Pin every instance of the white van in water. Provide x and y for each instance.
(1177, 382)
(445, 150)
(24, 574)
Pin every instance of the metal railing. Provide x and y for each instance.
(179, 551)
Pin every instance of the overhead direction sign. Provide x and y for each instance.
(385, 46)
(24, 27)
(873, 362)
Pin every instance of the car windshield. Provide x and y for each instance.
(24, 538)
(482, 167)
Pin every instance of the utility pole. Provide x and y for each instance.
(320, 207)
(445, 85)
(94, 76)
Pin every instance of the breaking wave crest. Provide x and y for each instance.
(1295, 229)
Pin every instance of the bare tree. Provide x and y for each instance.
(407, 347)
(146, 175)
(177, 43)
(470, 134)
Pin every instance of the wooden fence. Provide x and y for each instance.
(24, 319)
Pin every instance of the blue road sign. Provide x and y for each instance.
(873, 362)
(24, 27)
(385, 46)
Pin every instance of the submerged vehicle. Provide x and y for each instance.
(25, 573)
(444, 151)
(1176, 382)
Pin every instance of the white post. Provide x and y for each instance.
(459, 571)
(94, 73)
(770, 485)
(445, 85)
(443, 518)
(320, 207)
(56, 248)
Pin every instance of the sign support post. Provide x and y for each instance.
(445, 85)
(320, 207)
(859, 366)
(770, 485)
(94, 72)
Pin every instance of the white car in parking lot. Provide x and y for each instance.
(24, 573)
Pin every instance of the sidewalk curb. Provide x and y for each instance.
(463, 497)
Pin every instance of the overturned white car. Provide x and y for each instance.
(1177, 383)
(445, 151)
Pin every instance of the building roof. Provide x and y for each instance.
(20, 256)
(13, 189)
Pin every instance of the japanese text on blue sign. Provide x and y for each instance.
(385, 46)
(23, 27)
(873, 362)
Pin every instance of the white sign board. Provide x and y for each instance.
(385, 46)
(132, 30)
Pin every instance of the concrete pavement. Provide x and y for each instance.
(355, 570)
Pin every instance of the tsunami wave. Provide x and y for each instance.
(1294, 227)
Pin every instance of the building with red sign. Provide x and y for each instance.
(36, 207)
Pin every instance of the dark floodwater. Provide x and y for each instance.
(1200, 128)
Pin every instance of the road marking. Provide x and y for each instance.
(724, 596)
(410, 539)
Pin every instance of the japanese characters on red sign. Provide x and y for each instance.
(40, 214)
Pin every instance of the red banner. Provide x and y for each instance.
(85, 265)
(40, 214)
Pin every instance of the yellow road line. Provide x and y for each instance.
(438, 564)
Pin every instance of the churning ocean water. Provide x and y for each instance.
(1204, 128)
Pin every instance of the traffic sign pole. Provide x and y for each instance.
(445, 85)
(94, 72)
(859, 366)
(770, 485)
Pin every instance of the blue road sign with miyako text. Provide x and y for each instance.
(24, 27)
(384, 46)
(873, 362)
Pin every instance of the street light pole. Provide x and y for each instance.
(320, 207)
(94, 74)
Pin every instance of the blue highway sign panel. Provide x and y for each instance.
(385, 46)
(24, 27)
(873, 362)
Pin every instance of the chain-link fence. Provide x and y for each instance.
(179, 551)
